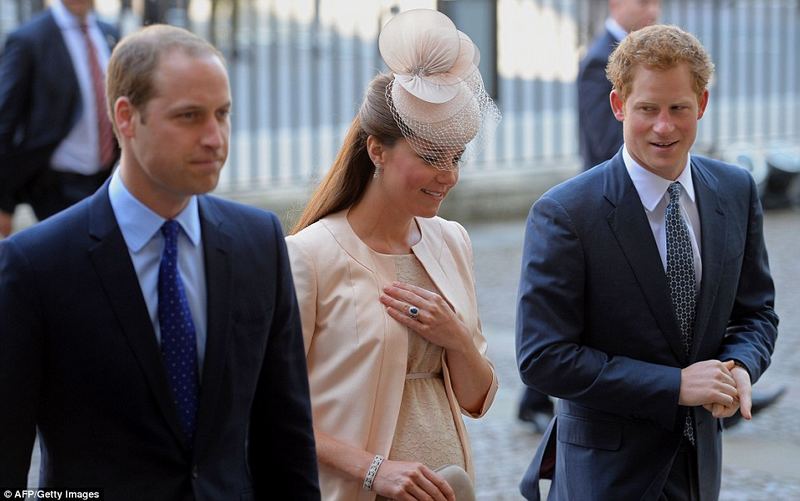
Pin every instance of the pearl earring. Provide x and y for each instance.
(378, 168)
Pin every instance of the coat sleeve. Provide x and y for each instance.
(753, 325)
(21, 346)
(16, 69)
(304, 275)
(282, 449)
(477, 336)
(551, 355)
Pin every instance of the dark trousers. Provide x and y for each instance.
(682, 480)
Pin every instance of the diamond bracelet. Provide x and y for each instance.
(372, 472)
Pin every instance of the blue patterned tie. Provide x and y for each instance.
(178, 341)
(680, 274)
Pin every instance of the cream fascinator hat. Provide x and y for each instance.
(436, 96)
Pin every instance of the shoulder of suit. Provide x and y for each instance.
(719, 168)
(601, 46)
(68, 225)
(225, 209)
(586, 182)
(37, 28)
(713, 163)
(730, 180)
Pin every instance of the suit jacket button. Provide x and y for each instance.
(194, 472)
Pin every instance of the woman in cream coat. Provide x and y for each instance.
(387, 296)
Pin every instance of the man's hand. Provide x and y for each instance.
(709, 382)
(5, 223)
(745, 389)
(744, 400)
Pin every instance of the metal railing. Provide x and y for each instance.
(298, 70)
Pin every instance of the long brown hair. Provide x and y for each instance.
(351, 172)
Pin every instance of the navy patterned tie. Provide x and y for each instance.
(680, 274)
(178, 340)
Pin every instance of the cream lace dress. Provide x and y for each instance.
(426, 430)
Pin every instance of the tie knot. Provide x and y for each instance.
(674, 191)
(170, 231)
(84, 28)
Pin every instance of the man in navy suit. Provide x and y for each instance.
(645, 301)
(150, 333)
(56, 143)
(600, 133)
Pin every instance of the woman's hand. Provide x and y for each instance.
(411, 481)
(430, 316)
(433, 318)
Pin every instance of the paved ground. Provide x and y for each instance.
(761, 458)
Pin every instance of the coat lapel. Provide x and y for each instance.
(216, 249)
(429, 252)
(109, 257)
(395, 335)
(629, 224)
(713, 235)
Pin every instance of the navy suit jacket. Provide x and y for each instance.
(81, 362)
(600, 132)
(40, 101)
(595, 327)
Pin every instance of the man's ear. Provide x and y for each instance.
(125, 117)
(617, 105)
(702, 103)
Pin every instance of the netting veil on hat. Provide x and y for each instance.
(436, 96)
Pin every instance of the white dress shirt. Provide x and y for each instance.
(653, 193)
(141, 229)
(79, 152)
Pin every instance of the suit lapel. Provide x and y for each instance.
(629, 224)
(216, 249)
(109, 257)
(713, 235)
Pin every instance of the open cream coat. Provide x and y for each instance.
(356, 352)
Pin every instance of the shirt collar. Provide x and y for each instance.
(139, 223)
(652, 187)
(65, 19)
(615, 29)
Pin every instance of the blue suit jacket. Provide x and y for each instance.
(600, 132)
(40, 101)
(595, 327)
(81, 362)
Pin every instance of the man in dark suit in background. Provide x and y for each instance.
(645, 301)
(56, 142)
(601, 133)
(150, 333)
